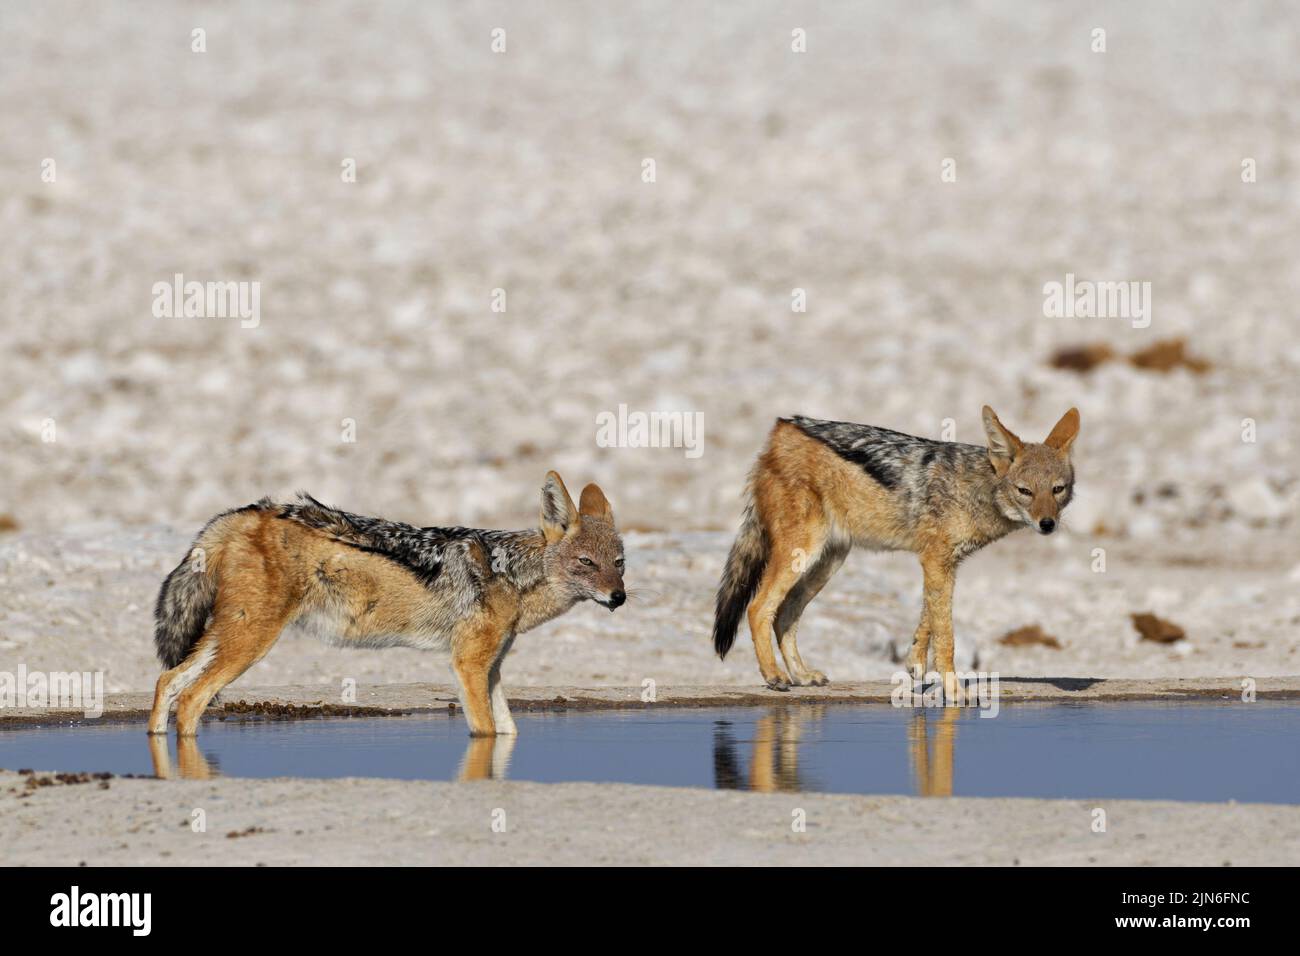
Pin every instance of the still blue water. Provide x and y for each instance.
(1185, 751)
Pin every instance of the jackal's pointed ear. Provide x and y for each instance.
(558, 514)
(1066, 430)
(593, 503)
(1004, 446)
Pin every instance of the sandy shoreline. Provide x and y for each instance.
(776, 171)
(387, 822)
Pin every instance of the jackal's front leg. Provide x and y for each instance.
(936, 620)
(475, 648)
(505, 723)
(474, 698)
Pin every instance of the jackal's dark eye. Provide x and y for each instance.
(588, 562)
(618, 563)
(1057, 489)
(1026, 492)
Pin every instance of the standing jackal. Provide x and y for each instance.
(821, 487)
(367, 582)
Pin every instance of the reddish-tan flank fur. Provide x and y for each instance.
(272, 570)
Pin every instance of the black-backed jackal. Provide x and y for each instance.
(819, 488)
(367, 582)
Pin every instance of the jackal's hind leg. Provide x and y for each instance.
(793, 544)
(170, 684)
(792, 608)
(778, 578)
(801, 675)
(174, 683)
(236, 640)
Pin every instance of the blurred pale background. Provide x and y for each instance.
(775, 170)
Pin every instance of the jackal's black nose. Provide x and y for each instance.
(1047, 525)
(617, 599)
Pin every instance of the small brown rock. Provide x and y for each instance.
(1030, 634)
(1157, 629)
(1082, 358)
(1167, 355)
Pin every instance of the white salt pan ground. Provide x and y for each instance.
(521, 171)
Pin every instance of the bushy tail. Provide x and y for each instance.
(184, 603)
(740, 579)
(190, 591)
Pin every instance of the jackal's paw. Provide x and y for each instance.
(810, 679)
(779, 682)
